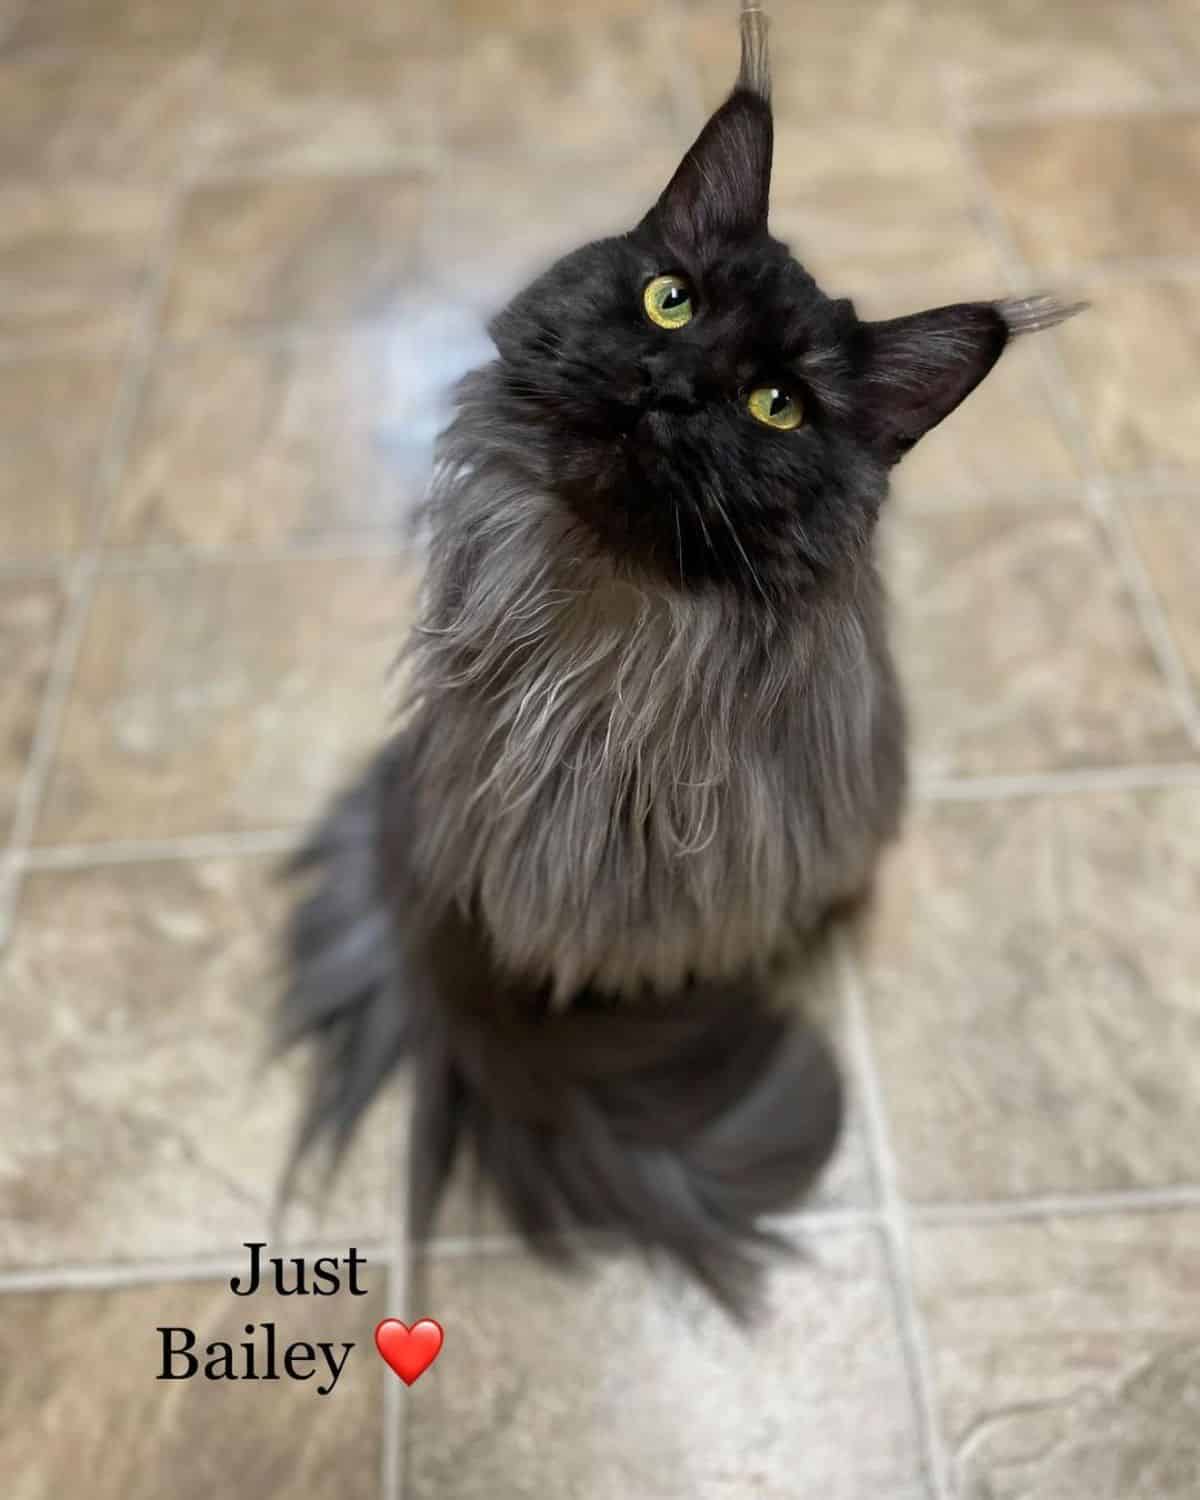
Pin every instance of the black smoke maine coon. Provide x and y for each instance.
(653, 734)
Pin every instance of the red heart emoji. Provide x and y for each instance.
(409, 1351)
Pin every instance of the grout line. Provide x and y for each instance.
(39, 565)
(30, 347)
(1175, 99)
(10, 879)
(45, 738)
(394, 1456)
(457, 1246)
(811, 1221)
(269, 841)
(1059, 1205)
(330, 547)
(402, 161)
(1118, 268)
(1147, 606)
(895, 1225)
(1151, 483)
(362, 329)
(932, 505)
(1158, 24)
(1055, 783)
(9, 29)
(147, 1272)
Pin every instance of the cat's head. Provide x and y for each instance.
(707, 410)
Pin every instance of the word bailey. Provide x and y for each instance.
(297, 1361)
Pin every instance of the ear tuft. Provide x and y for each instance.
(755, 74)
(1033, 314)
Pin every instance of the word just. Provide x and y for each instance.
(298, 1360)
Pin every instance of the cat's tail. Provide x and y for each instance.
(678, 1124)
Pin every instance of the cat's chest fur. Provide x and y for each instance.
(634, 783)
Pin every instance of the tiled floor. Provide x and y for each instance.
(244, 247)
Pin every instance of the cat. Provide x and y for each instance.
(652, 737)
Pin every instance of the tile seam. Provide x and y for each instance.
(104, 1276)
(913, 1341)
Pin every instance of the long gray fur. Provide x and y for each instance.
(601, 758)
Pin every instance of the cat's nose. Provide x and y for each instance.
(677, 390)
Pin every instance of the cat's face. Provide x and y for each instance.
(702, 405)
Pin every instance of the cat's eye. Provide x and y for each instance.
(668, 302)
(774, 407)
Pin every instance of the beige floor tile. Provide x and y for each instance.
(1009, 56)
(226, 697)
(497, 219)
(1134, 364)
(54, 418)
(264, 441)
(826, 62)
(74, 260)
(1031, 979)
(1183, 26)
(312, 250)
(856, 212)
(136, 1121)
(283, 21)
(97, 114)
(108, 23)
(583, 87)
(616, 1384)
(330, 106)
(472, 14)
(78, 1371)
(1019, 646)
(1067, 1353)
(1167, 531)
(1096, 187)
(29, 615)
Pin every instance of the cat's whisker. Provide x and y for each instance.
(737, 541)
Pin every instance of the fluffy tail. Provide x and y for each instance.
(677, 1122)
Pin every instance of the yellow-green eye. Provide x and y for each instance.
(668, 302)
(774, 407)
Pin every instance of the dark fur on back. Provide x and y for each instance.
(653, 733)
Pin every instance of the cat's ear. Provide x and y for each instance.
(916, 370)
(721, 188)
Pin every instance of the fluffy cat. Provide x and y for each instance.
(653, 733)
